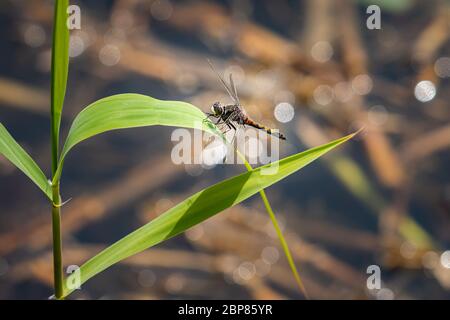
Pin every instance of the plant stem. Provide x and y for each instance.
(284, 244)
(57, 246)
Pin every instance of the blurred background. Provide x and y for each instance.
(311, 68)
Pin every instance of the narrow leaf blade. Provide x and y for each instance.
(60, 69)
(198, 208)
(20, 158)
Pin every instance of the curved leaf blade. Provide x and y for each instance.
(20, 158)
(131, 110)
(198, 208)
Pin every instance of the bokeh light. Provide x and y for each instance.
(442, 67)
(445, 259)
(246, 270)
(34, 35)
(408, 250)
(109, 55)
(175, 283)
(270, 255)
(377, 115)
(322, 51)
(323, 95)
(163, 204)
(430, 260)
(362, 84)
(76, 46)
(146, 278)
(284, 112)
(425, 91)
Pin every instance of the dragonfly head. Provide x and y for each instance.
(217, 109)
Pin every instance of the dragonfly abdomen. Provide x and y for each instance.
(256, 125)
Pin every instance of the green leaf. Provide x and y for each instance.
(60, 69)
(198, 208)
(20, 158)
(127, 111)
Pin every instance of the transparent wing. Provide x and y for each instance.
(223, 82)
(233, 88)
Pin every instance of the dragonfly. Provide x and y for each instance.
(232, 116)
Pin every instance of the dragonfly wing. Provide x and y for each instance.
(230, 93)
(233, 88)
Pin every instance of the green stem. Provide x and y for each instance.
(57, 243)
(284, 244)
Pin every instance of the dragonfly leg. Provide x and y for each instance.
(210, 116)
(232, 126)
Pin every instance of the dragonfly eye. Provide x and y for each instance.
(217, 108)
